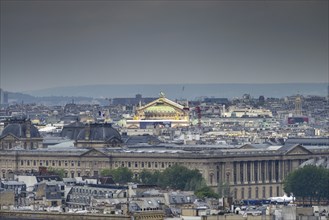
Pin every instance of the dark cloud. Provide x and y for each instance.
(61, 43)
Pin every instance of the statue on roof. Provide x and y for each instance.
(162, 95)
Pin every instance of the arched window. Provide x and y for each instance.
(235, 193)
(264, 192)
(211, 178)
(249, 193)
(256, 192)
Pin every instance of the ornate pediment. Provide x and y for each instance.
(298, 150)
(161, 109)
(9, 137)
(93, 153)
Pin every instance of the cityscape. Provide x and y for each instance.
(55, 158)
(167, 109)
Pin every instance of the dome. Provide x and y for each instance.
(160, 111)
(160, 108)
(72, 130)
(99, 132)
(18, 128)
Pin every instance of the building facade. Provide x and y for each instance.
(20, 133)
(246, 173)
(161, 112)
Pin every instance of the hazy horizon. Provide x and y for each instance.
(47, 44)
(187, 91)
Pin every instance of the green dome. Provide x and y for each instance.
(160, 108)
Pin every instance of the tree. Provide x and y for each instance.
(309, 182)
(182, 178)
(206, 191)
(149, 178)
(57, 171)
(119, 175)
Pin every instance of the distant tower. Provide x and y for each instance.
(298, 106)
(198, 111)
(223, 111)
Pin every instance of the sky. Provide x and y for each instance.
(47, 44)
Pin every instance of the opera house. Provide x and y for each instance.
(247, 172)
(161, 112)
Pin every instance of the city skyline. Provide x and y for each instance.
(52, 44)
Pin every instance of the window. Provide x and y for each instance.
(149, 164)
(34, 163)
(47, 163)
(78, 163)
(65, 163)
(242, 193)
(142, 164)
(235, 193)
(59, 163)
(256, 193)
(136, 164)
(28, 163)
(72, 163)
(271, 191)
(249, 193)
(53, 163)
(277, 191)
(264, 192)
(211, 177)
(129, 164)
(22, 163)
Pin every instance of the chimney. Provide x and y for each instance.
(87, 132)
(28, 128)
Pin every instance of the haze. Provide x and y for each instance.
(62, 43)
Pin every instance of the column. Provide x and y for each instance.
(266, 171)
(252, 172)
(245, 174)
(238, 173)
(259, 171)
(272, 169)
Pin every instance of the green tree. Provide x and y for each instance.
(57, 171)
(119, 175)
(149, 178)
(309, 182)
(206, 191)
(180, 177)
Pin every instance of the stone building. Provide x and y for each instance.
(247, 172)
(160, 112)
(20, 133)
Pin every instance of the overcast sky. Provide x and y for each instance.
(60, 43)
